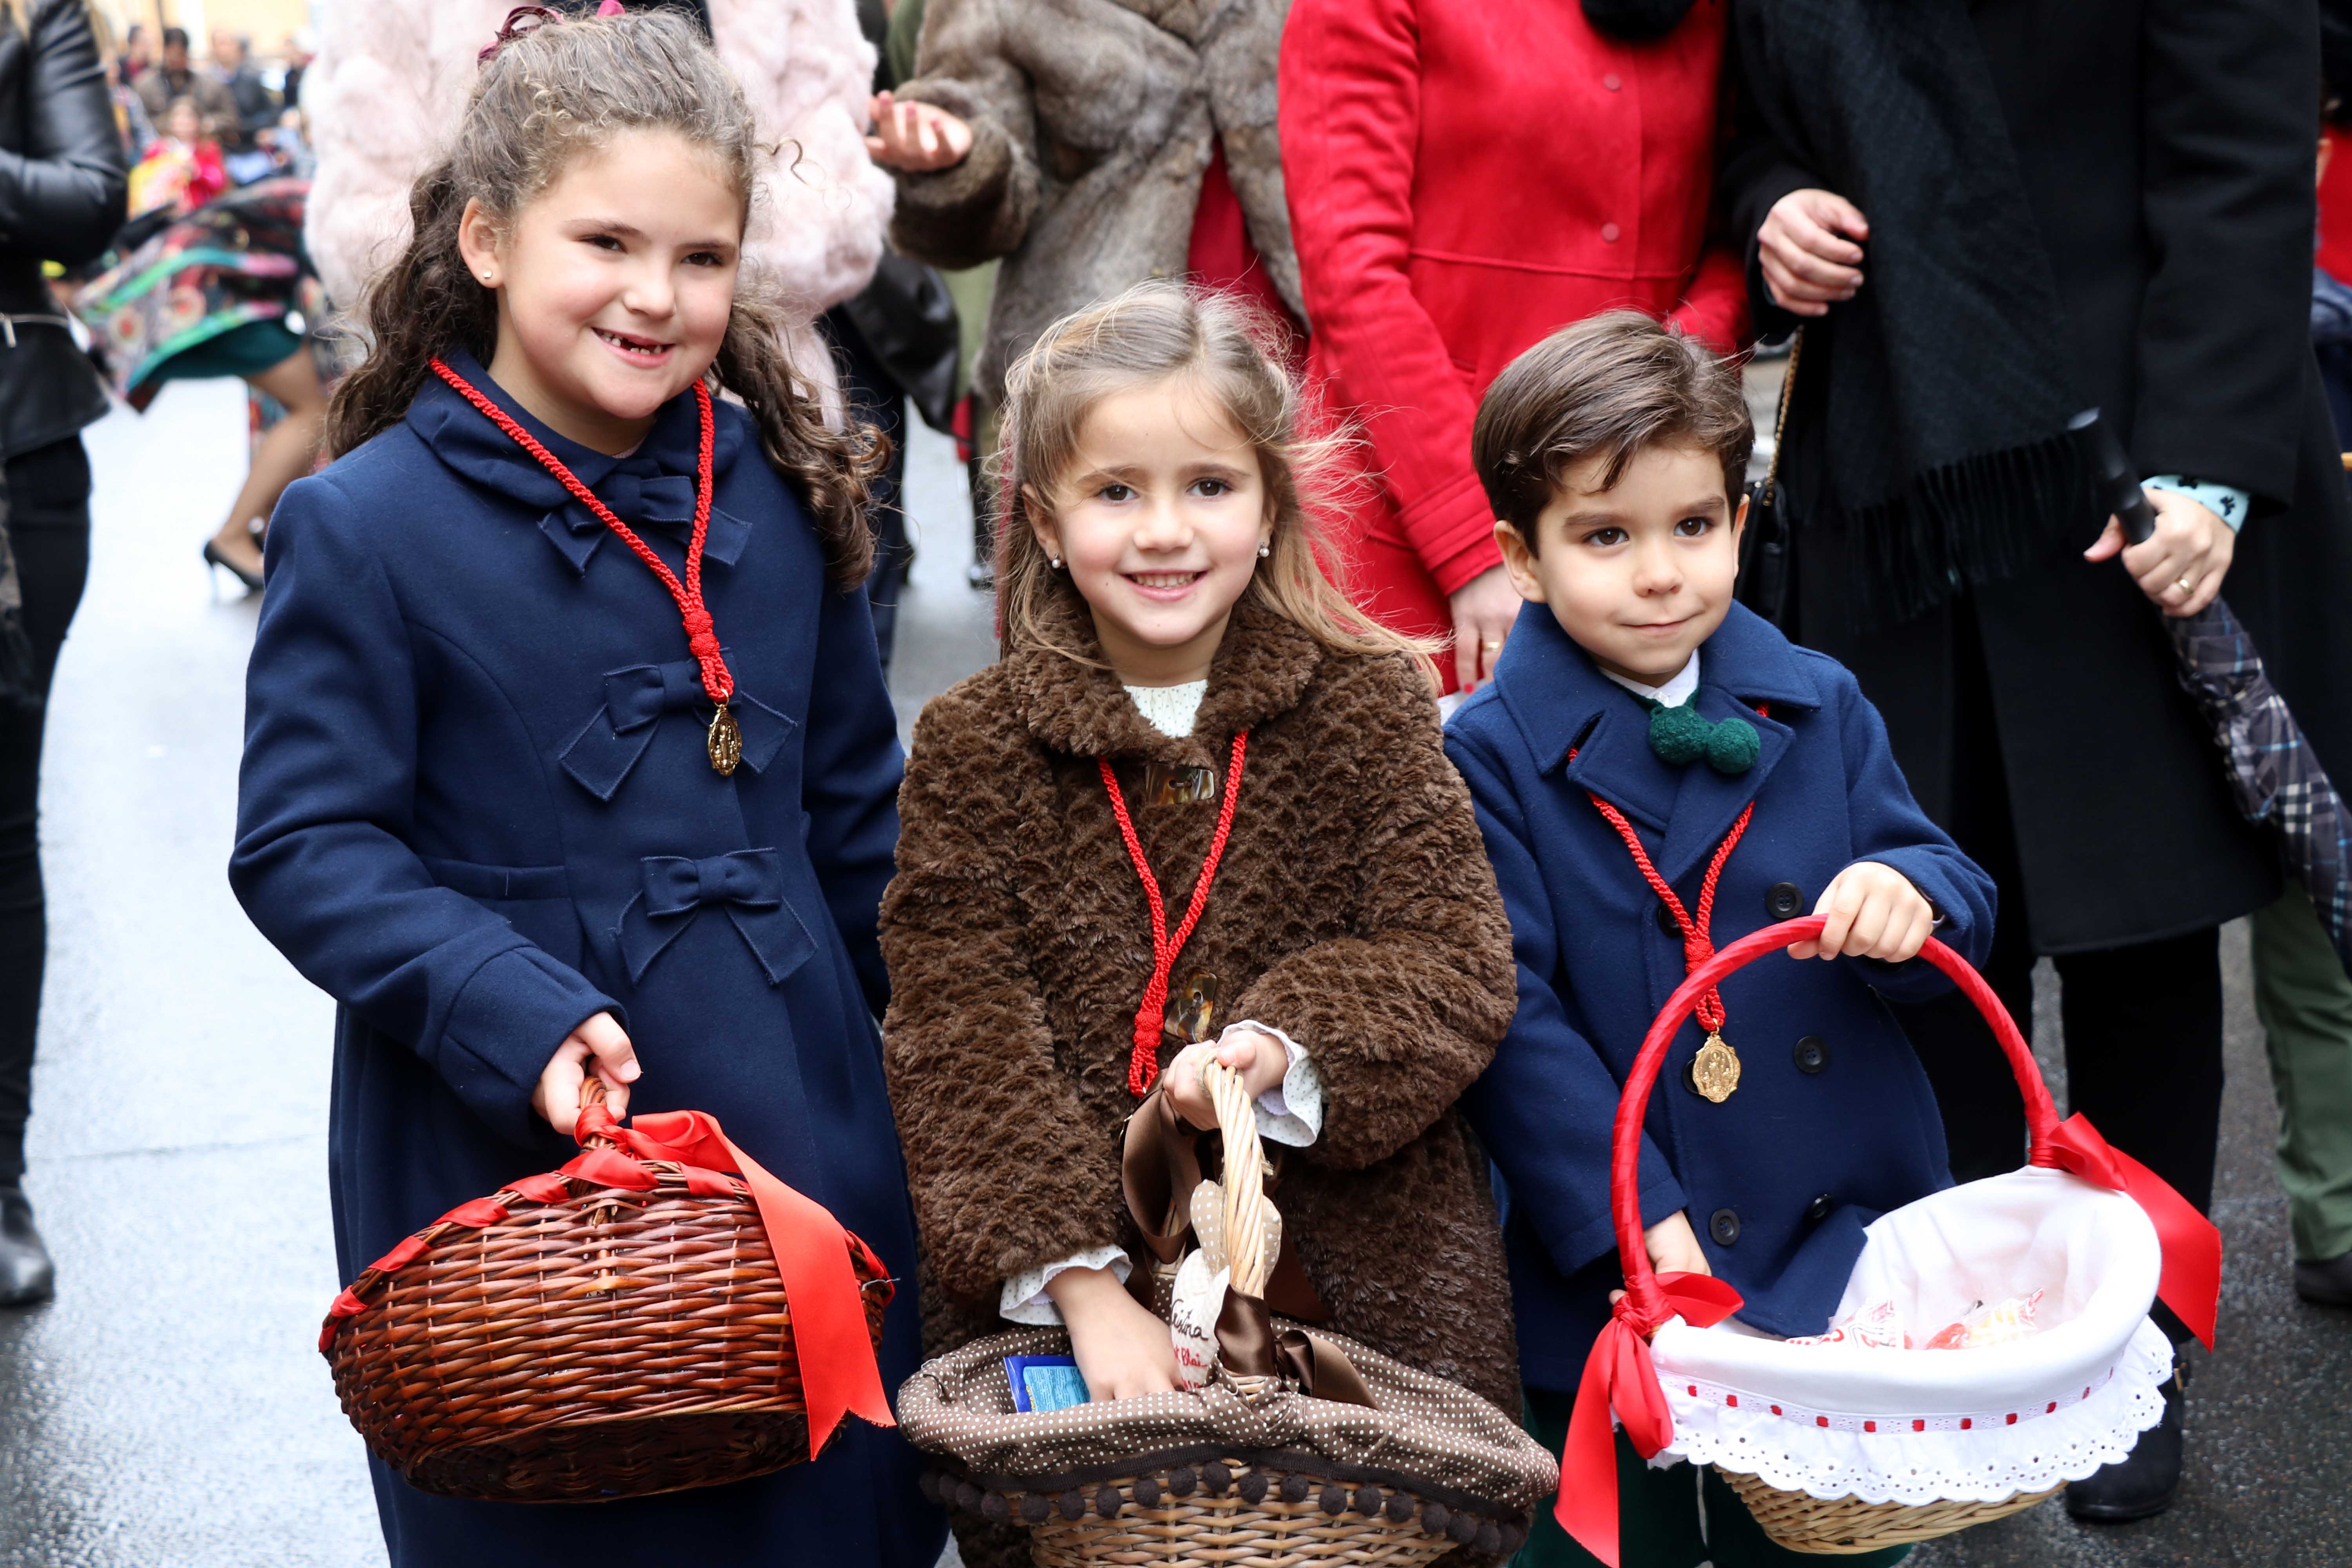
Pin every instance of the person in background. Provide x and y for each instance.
(129, 114)
(181, 170)
(256, 106)
(1090, 147)
(2108, 203)
(173, 77)
(138, 51)
(2301, 993)
(1465, 176)
(61, 199)
(300, 47)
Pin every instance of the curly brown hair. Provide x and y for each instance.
(546, 93)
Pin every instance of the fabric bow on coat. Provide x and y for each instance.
(748, 883)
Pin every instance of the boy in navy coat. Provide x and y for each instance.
(1658, 771)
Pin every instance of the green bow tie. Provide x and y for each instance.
(1683, 735)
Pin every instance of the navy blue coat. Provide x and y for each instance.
(1780, 1179)
(475, 809)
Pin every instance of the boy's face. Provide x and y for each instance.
(1638, 575)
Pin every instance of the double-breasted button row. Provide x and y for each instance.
(1783, 901)
(1811, 1055)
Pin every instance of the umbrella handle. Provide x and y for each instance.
(1625, 1149)
(2111, 475)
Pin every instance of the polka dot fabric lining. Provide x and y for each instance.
(1430, 1440)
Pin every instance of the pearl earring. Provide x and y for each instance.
(1264, 550)
(1054, 561)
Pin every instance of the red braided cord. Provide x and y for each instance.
(701, 637)
(1699, 942)
(1143, 1063)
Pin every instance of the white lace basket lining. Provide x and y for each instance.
(1917, 1426)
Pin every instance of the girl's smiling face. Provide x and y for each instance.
(1159, 522)
(615, 284)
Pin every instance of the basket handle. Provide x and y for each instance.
(1647, 1299)
(1245, 1177)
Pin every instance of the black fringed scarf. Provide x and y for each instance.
(1945, 387)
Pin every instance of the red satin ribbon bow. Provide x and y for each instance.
(1619, 1376)
(838, 1374)
(2190, 1283)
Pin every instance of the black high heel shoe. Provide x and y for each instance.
(212, 557)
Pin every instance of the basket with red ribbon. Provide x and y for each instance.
(1870, 1435)
(660, 1313)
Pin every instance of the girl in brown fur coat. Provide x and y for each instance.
(1164, 615)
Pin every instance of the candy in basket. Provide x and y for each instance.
(1993, 1342)
(660, 1313)
(1295, 1447)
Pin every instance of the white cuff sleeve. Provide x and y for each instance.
(1292, 1113)
(2225, 501)
(1025, 1300)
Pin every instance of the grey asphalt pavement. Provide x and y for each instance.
(168, 1410)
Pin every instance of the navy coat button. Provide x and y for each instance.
(1666, 922)
(1723, 1226)
(1812, 1054)
(1784, 900)
(1819, 1209)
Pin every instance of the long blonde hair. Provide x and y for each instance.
(1154, 332)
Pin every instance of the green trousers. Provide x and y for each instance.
(1674, 1518)
(2304, 1002)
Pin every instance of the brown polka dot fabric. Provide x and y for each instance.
(1429, 1438)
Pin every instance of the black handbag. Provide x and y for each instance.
(1768, 548)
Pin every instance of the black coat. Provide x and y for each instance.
(2167, 154)
(62, 189)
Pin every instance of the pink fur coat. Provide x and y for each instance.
(390, 81)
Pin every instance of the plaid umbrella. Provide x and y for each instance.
(2273, 774)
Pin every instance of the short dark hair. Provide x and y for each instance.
(176, 37)
(1607, 387)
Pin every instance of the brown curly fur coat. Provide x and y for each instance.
(1354, 909)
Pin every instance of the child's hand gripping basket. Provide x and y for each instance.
(1297, 1449)
(638, 1322)
(1843, 1447)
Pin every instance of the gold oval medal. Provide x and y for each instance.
(726, 740)
(1715, 1070)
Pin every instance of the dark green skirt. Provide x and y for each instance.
(1674, 1517)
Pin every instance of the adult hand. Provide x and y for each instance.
(915, 136)
(1870, 910)
(1122, 1351)
(1259, 1058)
(2181, 564)
(1810, 251)
(1484, 609)
(599, 1040)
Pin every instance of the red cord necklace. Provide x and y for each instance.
(1715, 1070)
(725, 741)
(1143, 1064)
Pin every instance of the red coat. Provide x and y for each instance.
(1464, 177)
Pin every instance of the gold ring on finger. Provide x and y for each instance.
(2185, 583)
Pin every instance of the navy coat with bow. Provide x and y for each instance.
(477, 809)
(1833, 1122)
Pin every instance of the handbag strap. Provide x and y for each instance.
(1781, 418)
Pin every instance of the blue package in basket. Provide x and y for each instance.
(1044, 1383)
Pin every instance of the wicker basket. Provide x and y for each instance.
(1247, 1470)
(1796, 1520)
(570, 1340)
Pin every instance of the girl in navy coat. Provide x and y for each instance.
(528, 806)
(1658, 772)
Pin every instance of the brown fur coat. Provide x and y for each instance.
(1091, 124)
(1354, 909)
